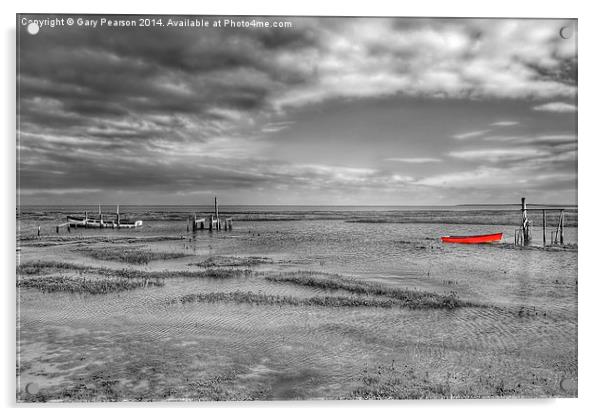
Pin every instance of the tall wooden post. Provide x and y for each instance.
(561, 226)
(118, 216)
(544, 227)
(218, 224)
(525, 222)
(194, 223)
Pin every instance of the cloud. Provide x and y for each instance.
(171, 111)
(556, 107)
(275, 127)
(435, 58)
(504, 123)
(497, 155)
(470, 134)
(413, 159)
(483, 176)
(549, 140)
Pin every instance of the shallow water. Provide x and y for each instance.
(151, 349)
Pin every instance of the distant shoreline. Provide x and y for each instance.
(532, 206)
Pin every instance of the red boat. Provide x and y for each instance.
(472, 239)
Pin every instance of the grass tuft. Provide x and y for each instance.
(45, 268)
(263, 299)
(408, 298)
(410, 383)
(93, 286)
(231, 261)
(128, 254)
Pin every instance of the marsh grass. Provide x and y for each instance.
(408, 382)
(93, 286)
(556, 247)
(102, 386)
(80, 239)
(128, 254)
(41, 267)
(263, 299)
(408, 298)
(231, 261)
(46, 268)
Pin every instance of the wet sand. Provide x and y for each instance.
(516, 335)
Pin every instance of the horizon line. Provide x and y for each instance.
(311, 205)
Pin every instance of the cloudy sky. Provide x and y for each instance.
(333, 111)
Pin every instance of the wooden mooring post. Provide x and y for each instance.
(197, 223)
(543, 211)
(561, 221)
(213, 221)
(525, 224)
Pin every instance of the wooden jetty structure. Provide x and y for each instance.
(106, 220)
(523, 235)
(213, 222)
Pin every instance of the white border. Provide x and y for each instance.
(589, 193)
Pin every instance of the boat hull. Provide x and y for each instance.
(472, 239)
(87, 223)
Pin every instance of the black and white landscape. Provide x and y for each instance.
(251, 208)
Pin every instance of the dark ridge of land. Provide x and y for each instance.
(263, 299)
(92, 286)
(129, 254)
(556, 247)
(51, 240)
(232, 261)
(42, 268)
(487, 215)
(413, 299)
(455, 221)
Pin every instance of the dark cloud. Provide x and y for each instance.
(175, 109)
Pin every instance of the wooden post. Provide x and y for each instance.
(118, 216)
(558, 229)
(525, 222)
(57, 229)
(39, 230)
(188, 224)
(544, 227)
(211, 223)
(561, 226)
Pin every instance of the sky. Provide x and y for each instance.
(330, 111)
